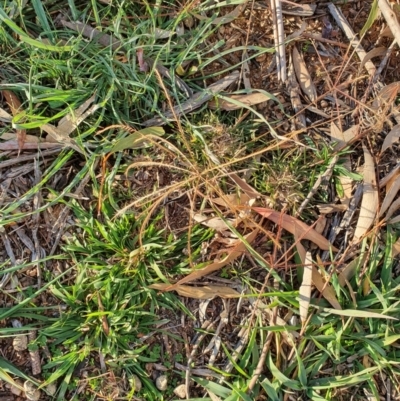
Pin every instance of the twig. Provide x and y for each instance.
(195, 101)
(260, 366)
(323, 40)
(348, 31)
(281, 39)
(37, 255)
(390, 18)
(384, 61)
(206, 325)
(326, 175)
(276, 40)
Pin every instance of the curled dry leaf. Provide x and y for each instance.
(303, 76)
(232, 254)
(293, 225)
(386, 95)
(247, 100)
(388, 179)
(32, 393)
(390, 195)
(305, 288)
(391, 138)
(394, 207)
(232, 200)
(375, 52)
(370, 200)
(204, 292)
(216, 223)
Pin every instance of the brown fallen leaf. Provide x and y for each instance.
(394, 207)
(216, 223)
(232, 200)
(232, 254)
(388, 179)
(293, 225)
(375, 52)
(305, 288)
(203, 292)
(370, 200)
(349, 271)
(386, 95)
(324, 287)
(247, 100)
(16, 108)
(390, 195)
(245, 187)
(303, 76)
(391, 138)
(396, 248)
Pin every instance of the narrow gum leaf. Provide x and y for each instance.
(370, 200)
(233, 253)
(293, 225)
(203, 292)
(391, 138)
(303, 76)
(305, 288)
(324, 288)
(390, 195)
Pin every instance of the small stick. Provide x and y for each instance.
(348, 31)
(281, 40)
(384, 61)
(390, 18)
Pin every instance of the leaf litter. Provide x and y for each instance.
(263, 234)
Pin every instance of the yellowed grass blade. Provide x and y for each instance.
(204, 292)
(305, 288)
(370, 200)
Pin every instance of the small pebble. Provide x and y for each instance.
(20, 343)
(136, 383)
(324, 104)
(162, 382)
(51, 389)
(180, 391)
